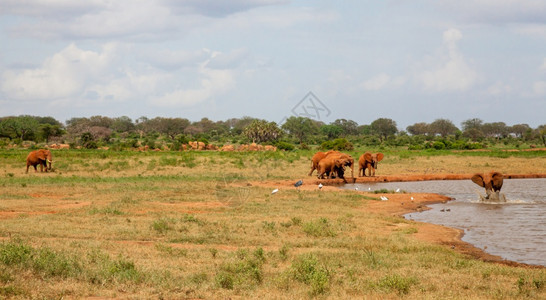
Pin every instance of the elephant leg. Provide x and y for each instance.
(312, 169)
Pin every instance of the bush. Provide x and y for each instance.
(438, 145)
(308, 270)
(337, 144)
(319, 228)
(244, 270)
(284, 146)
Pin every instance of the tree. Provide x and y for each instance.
(418, 129)
(47, 130)
(332, 131)
(443, 127)
(519, 129)
(101, 121)
(473, 133)
(541, 132)
(383, 127)
(122, 124)
(496, 129)
(300, 127)
(260, 131)
(474, 123)
(236, 126)
(22, 127)
(348, 127)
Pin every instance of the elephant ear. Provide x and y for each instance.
(380, 156)
(478, 179)
(496, 180)
(41, 155)
(368, 156)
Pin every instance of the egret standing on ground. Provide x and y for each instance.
(274, 191)
(320, 186)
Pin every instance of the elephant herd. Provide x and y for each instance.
(332, 164)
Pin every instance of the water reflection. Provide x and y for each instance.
(514, 230)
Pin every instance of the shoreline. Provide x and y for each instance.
(401, 204)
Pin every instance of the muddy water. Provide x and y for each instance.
(515, 230)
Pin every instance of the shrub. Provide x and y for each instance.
(438, 145)
(243, 270)
(284, 146)
(398, 283)
(309, 270)
(337, 144)
(319, 228)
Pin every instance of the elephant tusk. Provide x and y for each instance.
(49, 161)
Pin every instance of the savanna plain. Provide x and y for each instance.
(199, 224)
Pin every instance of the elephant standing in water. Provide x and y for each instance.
(40, 157)
(492, 183)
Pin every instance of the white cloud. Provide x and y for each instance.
(495, 11)
(533, 30)
(543, 65)
(539, 88)
(63, 75)
(212, 83)
(448, 70)
(376, 83)
(382, 81)
(498, 89)
(89, 77)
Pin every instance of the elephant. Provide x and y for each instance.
(369, 161)
(40, 157)
(334, 163)
(492, 183)
(317, 158)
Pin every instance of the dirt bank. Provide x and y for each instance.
(403, 203)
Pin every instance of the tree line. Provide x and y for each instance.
(123, 132)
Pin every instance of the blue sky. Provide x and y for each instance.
(411, 61)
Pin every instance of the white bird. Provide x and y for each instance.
(320, 186)
(369, 189)
(398, 190)
(356, 189)
(274, 191)
(411, 198)
(383, 198)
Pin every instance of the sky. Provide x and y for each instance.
(410, 61)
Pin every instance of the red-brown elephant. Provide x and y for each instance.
(335, 163)
(317, 158)
(492, 183)
(40, 157)
(369, 161)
